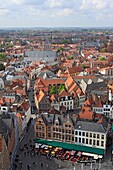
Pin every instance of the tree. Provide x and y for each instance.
(9, 45)
(53, 90)
(103, 50)
(65, 41)
(102, 58)
(60, 49)
(71, 57)
(61, 87)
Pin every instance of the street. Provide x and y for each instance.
(39, 162)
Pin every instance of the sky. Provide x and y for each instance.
(56, 13)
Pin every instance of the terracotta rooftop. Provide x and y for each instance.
(64, 93)
(40, 95)
(86, 113)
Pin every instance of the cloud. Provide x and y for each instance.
(94, 4)
(78, 12)
(65, 12)
(54, 3)
(3, 11)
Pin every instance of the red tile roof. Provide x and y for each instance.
(86, 113)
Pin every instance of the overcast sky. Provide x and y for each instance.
(56, 13)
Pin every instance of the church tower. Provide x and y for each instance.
(47, 45)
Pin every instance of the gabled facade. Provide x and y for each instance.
(91, 134)
(65, 99)
(42, 102)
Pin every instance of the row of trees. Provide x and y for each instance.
(53, 89)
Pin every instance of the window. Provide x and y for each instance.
(76, 133)
(79, 140)
(97, 142)
(76, 139)
(37, 134)
(90, 135)
(69, 131)
(37, 127)
(93, 142)
(90, 142)
(87, 134)
(98, 136)
(94, 135)
(83, 133)
(86, 141)
(102, 143)
(49, 134)
(102, 137)
(83, 140)
(79, 133)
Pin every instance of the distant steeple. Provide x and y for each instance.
(47, 45)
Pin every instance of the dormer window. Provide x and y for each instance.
(66, 97)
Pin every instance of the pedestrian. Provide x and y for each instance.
(47, 165)
(41, 164)
(34, 163)
(28, 153)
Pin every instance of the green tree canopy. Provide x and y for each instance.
(61, 87)
(103, 50)
(65, 41)
(9, 45)
(71, 57)
(53, 90)
(60, 49)
(102, 58)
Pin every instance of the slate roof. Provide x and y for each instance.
(94, 86)
(46, 74)
(36, 55)
(90, 126)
